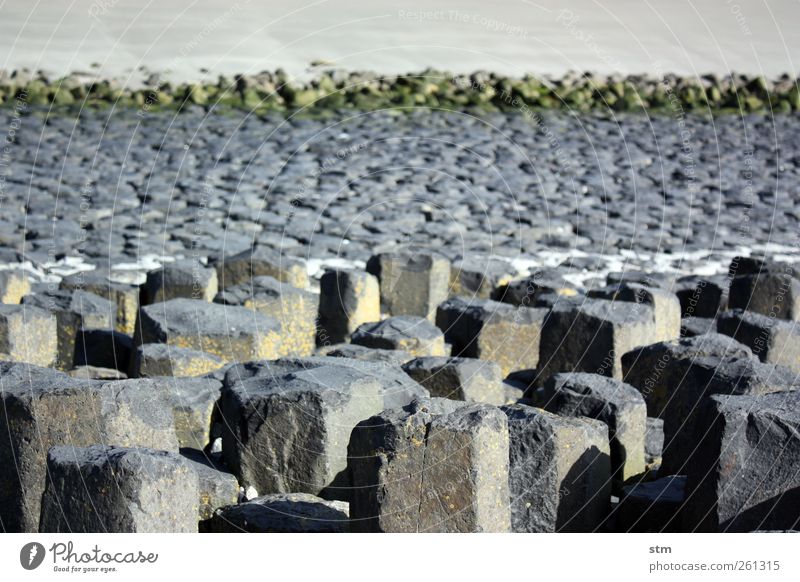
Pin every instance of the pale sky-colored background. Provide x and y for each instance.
(507, 36)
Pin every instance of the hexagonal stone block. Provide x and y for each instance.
(617, 404)
(189, 279)
(125, 296)
(494, 331)
(14, 284)
(348, 299)
(217, 487)
(166, 360)
(397, 387)
(415, 335)
(593, 336)
(28, 334)
(775, 341)
(40, 408)
(559, 471)
(412, 282)
(463, 379)
(694, 326)
(74, 311)
(480, 277)
(282, 513)
(295, 310)
(773, 291)
(702, 296)
(436, 466)
(261, 261)
(705, 377)
(230, 332)
(655, 369)
(194, 404)
(525, 292)
(288, 432)
(745, 474)
(109, 489)
(666, 307)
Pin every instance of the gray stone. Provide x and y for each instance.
(775, 341)
(415, 335)
(43, 408)
(593, 336)
(165, 360)
(28, 334)
(348, 299)
(618, 405)
(654, 443)
(525, 292)
(666, 307)
(295, 310)
(217, 487)
(435, 466)
(559, 471)
(480, 277)
(773, 292)
(110, 489)
(463, 379)
(494, 331)
(188, 279)
(95, 373)
(14, 284)
(694, 326)
(125, 296)
(702, 296)
(261, 261)
(282, 513)
(230, 332)
(745, 474)
(412, 282)
(194, 402)
(655, 369)
(74, 311)
(288, 432)
(365, 354)
(397, 387)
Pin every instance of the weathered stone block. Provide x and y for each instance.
(188, 279)
(125, 296)
(464, 379)
(773, 291)
(230, 332)
(288, 432)
(436, 466)
(40, 408)
(28, 334)
(525, 292)
(702, 296)
(655, 369)
(74, 311)
(165, 360)
(559, 471)
(103, 348)
(397, 387)
(480, 277)
(744, 476)
(665, 305)
(194, 402)
(365, 354)
(494, 331)
(347, 300)
(109, 489)
(775, 341)
(217, 487)
(617, 404)
(593, 336)
(295, 310)
(14, 284)
(415, 335)
(282, 513)
(261, 261)
(411, 282)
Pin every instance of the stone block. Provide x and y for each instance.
(348, 299)
(415, 335)
(465, 379)
(28, 334)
